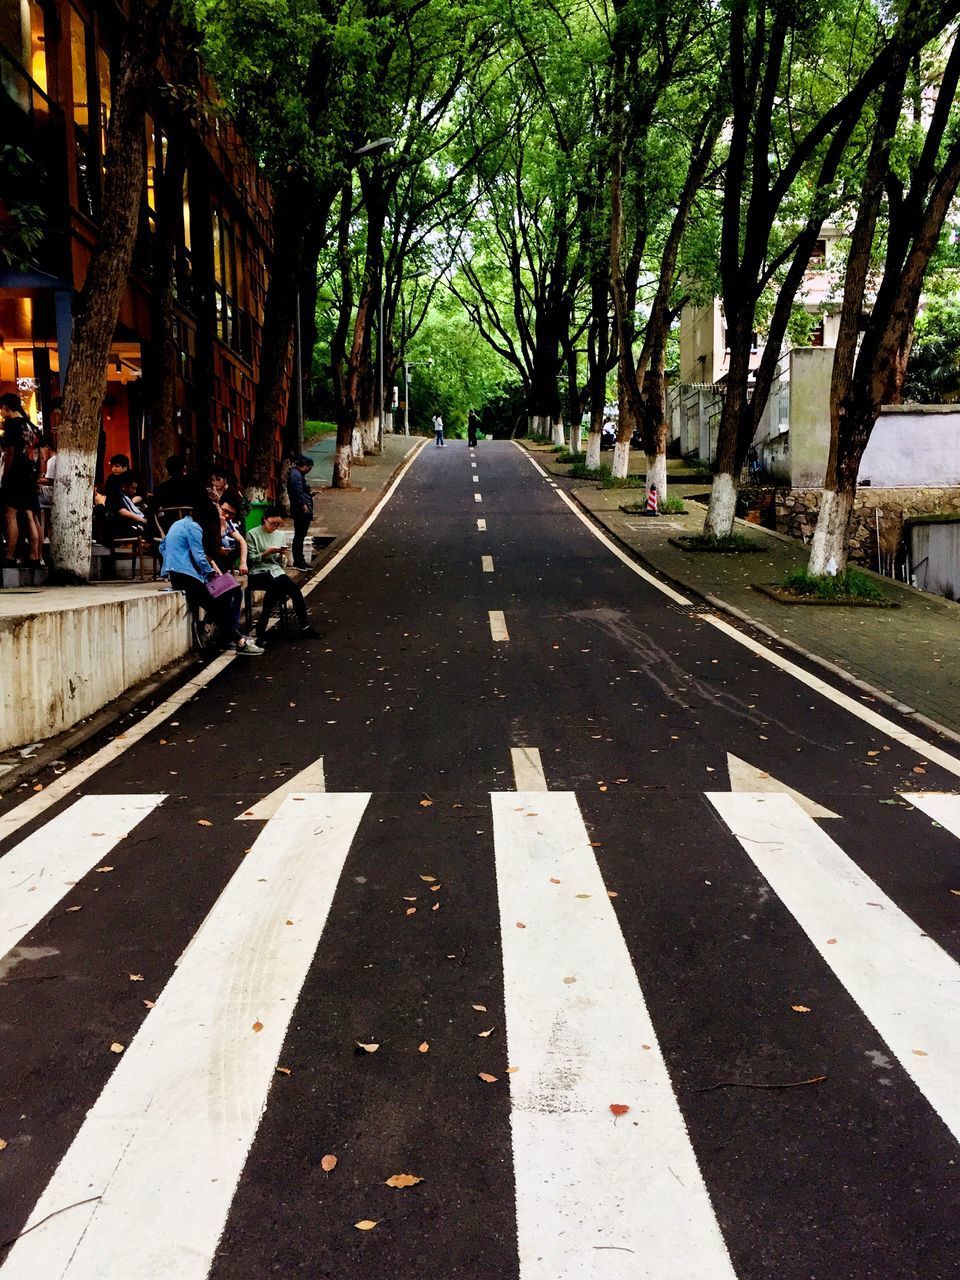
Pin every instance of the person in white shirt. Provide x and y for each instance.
(438, 430)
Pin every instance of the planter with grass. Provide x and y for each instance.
(727, 544)
(850, 588)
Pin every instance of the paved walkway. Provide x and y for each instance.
(909, 653)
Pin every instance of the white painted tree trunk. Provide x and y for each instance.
(356, 444)
(657, 475)
(621, 459)
(576, 437)
(368, 434)
(593, 450)
(830, 535)
(72, 515)
(539, 425)
(344, 463)
(723, 506)
(558, 435)
(388, 427)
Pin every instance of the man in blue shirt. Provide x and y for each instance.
(301, 505)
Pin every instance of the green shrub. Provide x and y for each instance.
(624, 482)
(725, 542)
(673, 506)
(852, 584)
(564, 456)
(580, 471)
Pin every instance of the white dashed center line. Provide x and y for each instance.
(481, 525)
(487, 562)
(498, 625)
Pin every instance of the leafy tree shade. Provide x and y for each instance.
(933, 374)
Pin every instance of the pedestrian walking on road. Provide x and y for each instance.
(301, 505)
(438, 430)
(267, 549)
(472, 429)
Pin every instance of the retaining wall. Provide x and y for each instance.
(61, 664)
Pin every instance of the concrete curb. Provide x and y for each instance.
(716, 603)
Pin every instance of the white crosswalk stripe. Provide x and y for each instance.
(163, 1147)
(587, 1205)
(906, 985)
(941, 807)
(40, 870)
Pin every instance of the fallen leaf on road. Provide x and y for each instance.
(429, 879)
(425, 804)
(284, 1071)
(512, 1070)
(367, 1048)
(257, 1026)
(521, 925)
(413, 899)
(873, 753)
(483, 1034)
(435, 888)
(202, 822)
(104, 870)
(424, 1047)
(288, 922)
(612, 894)
(602, 786)
(116, 1047)
(619, 1108)
(799, 1008)
(74, 908)
(569, 981)
(410, 911)
(3, 1143)
(955, 892)
(38, 787)
(328, 1163)
(919, 769)
(149, 1003)
(921, 1053)
(435, 907)
(403, 1180)
(365, 1224)
(584, 895)
(135, 977)
(831, 942)
(487, 1079)
(480, 1008)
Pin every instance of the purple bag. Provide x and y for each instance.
(221, 584)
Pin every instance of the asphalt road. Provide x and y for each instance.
(650, 877)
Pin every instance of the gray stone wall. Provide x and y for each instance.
(797, 515)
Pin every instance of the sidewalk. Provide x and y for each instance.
(74, 658)
(909, 654)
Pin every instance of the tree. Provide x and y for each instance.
(800, 82)
(98, 305)
(912, 174)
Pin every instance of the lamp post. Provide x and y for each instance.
(406, 391)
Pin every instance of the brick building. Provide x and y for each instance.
(204, 200)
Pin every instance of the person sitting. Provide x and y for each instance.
(19, 499)
(217, 483)
(119, 466)
(233, 544)
(188, 550)
(124, 517)
(178, 490)
(267, 550)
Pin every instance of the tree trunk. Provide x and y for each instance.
(162, 405)
(733, 439)
(98, 306)
(557, 433)
(292, 203)
(592, 459)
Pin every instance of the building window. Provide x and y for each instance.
(38, 52)
(817, 334)
(106, 98)
(84, 146)
(153, 173)
(225, 277)
(818, 255)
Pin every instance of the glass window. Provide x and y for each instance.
(186, 214)
(78, 69)
(106, 96)
(38, 53)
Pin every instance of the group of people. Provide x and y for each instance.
(473, 426)
(209, 556)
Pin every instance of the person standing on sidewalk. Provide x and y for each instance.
(438, 429)
(267, 552)
(301, 505)
(19, 495)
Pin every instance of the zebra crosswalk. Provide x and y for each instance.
(598, 1163)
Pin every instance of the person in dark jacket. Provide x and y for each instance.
(301, 506)
(19, 495)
